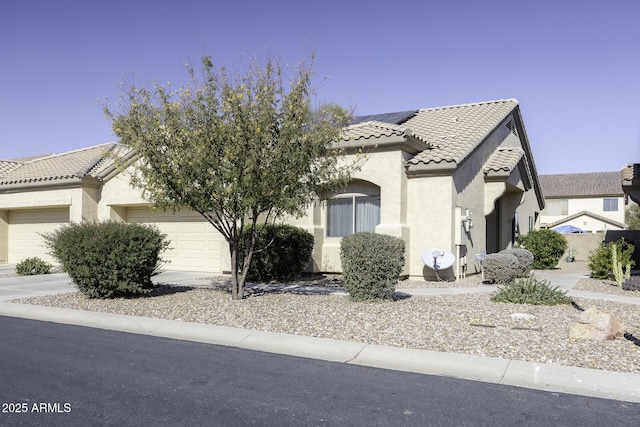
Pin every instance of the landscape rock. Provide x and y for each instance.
(526, 316)
(597, 325)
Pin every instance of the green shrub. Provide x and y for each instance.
(500, 267)
(283, 252)
(108, 259)
(530, 291)
(33, 266)
(601, 262)
(525, 260)
(371, 265)
(547, 247)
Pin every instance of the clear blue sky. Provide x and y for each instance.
(573, 65)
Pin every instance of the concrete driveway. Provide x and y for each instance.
(30, 286)
(13, 287)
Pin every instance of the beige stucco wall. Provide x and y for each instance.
(384, 169)
(430, 209)
(116, 194)
(584, 244)
(46, 198)
(469, 190)
(81, 201)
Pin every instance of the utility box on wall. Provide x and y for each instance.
(462, 224)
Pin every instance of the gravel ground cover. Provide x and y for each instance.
(609, 287)
(318, 307)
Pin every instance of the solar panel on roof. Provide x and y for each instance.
(393, 118)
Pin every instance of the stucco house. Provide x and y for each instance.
(593, 202)
(459, 178)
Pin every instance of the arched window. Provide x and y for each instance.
(355, 210)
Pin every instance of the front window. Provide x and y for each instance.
(610, 204)
(352, 214)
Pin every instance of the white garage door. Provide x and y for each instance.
(25, 227)
(194, 244)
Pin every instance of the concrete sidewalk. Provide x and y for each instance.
(548, 377)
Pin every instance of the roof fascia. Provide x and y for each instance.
(432, 169)
(587, 196)
(531, 166)
(113, 170)
(405, 143)
(42, 185)
(586, 213)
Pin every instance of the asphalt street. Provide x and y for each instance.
(57, 374)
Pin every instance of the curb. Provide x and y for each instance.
(563, 379)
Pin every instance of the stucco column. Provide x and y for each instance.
(4, 236)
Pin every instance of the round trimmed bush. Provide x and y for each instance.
(371, 265)
(547, 247)
(283, 252)
(500, 268)
(108, 259)
(525, 260)
(33, 266)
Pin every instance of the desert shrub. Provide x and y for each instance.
(547, 247)
(33, 266)
(525, 260)
(108, 259)
(282, 252)
(371, 265)
(500, 267)
(601, 262)
(532, 291)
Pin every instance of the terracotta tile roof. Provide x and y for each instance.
(582, 184)
(631, 174)
(372, 129)
(450, 133)
(455, 131)
(86, 162)
(29, 158)
(504, 160)
(7, 166)
(376, 130)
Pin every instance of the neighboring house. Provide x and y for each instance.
(459, 178)
(593, 202)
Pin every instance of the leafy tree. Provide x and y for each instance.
(239, 147)
(547, 247)
(632, 217)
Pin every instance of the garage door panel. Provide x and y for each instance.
(25, 232)
(194, 243)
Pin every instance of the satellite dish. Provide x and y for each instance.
(438, 259)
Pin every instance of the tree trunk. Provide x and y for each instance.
(238, 278)
(237, 282)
